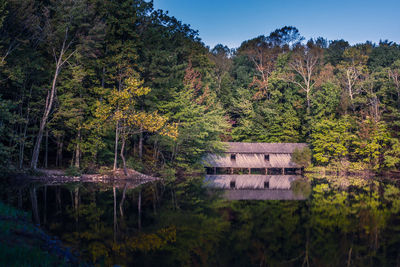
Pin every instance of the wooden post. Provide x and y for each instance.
(249, 171)
(231, 170)
(283, 171)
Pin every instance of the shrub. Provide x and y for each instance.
(73, 171)
(302, 157)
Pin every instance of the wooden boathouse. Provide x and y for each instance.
(255, 158)
(253, 166)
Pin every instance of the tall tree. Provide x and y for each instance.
(67, 25)
(352, 71)
(305, 64)
(263, 54)
(120, 110)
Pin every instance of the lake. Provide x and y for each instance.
(318, 221)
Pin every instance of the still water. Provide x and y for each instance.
(325, 221)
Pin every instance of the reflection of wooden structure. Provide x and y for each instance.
(253, 166)
(250, 181)
(267, 194)
(255, 158)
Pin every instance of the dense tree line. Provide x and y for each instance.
(91, 83)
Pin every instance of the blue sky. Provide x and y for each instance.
(231, 22)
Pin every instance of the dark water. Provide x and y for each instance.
(339, 222)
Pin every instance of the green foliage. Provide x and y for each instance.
(302, 157)
(384, 55)
(257, 93)
(332, 139)
(6, 121)
(376, 147)
(334, 53)
(3, 11)
(73, 171)
(135, 163)
(301, 188)
(199, 126)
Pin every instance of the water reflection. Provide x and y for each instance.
(260, 187)
(185, 224)
(251, 181)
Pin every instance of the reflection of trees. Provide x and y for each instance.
(34, 201)
(301, 187)
(271, 233)
(347, 225)
(353, 223)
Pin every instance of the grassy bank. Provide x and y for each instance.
(24, 244)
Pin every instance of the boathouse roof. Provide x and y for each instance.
(263, 148)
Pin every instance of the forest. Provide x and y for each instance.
(99, 84)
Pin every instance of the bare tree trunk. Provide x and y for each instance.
(349, 84)
(305, 64)
(22, 143)
(102, 76)
(141, 142)
(349, 257)
(49, 103)
(35, 209)
(72, 160)
(116, 147)
(59, 151)
(78, 150)
(61, 59)
(121, 204)
(46, 155)
(122, 154)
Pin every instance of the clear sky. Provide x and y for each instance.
(232, 21)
